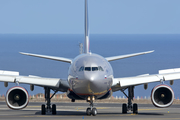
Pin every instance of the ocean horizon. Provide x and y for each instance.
(166, 55)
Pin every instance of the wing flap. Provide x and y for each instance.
(3, 72)
(171, 76)
(39, 81)
(5, 78)
(131, 81)
(31, 80)
(169, 71)
(137, 80)
(59, 84)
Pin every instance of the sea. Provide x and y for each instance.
(165, 56)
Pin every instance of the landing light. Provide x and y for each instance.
(93, 98)
(89, 98)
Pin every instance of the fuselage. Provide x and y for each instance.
(90, 75)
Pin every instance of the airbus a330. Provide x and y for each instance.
(90, 77)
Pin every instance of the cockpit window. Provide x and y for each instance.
(87, 68)
(82, 68)
(94, 68)
(100, 68)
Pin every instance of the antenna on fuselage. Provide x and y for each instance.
(86, 41)
(80, 48)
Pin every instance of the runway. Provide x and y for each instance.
(76, 111)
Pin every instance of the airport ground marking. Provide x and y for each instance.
(148, 109)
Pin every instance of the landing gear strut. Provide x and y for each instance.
(48, 108)
(129, 106)
(91, 110)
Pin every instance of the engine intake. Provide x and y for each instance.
(162, 96)
(17, 98)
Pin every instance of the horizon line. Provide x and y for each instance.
(90, 34)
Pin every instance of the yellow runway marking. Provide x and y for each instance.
(33, 106)
(149, 109)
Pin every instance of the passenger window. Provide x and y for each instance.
(81, 69)
(94, 68)
(87, 68)
(100, 68)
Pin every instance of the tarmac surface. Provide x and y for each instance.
(77, 111)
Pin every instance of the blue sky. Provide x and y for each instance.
(105, 16)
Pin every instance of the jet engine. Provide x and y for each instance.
(162, 96)
(17, 98)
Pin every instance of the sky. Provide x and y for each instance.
(105, 16)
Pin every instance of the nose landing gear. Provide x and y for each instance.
(91, 110)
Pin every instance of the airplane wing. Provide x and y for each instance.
(164, 75)
(54, 83)
(49, 57)
(126, 56)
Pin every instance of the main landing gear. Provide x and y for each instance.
(129, 106)
(47, 109)
(91, 110)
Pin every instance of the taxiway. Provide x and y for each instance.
(77, 111)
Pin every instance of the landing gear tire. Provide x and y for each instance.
(88, 111)
(72, 100)
(54, 109)
(94, 112)
(135, 108)
(43, 109)
(124, 108)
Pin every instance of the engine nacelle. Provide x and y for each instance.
(17, 98)
(162, 96)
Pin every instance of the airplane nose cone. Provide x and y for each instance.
(95, 82)
(92, 83)
(91, 77)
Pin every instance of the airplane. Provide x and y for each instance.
(90, 77)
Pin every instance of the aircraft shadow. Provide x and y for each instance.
(76, 113)
(79, 113)
(131, 113)
(150, 114)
